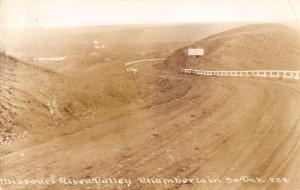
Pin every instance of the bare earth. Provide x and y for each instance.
(175, 125)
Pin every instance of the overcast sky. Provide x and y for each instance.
(49, 13)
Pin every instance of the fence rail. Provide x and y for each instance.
(143, 60)
(249, 73)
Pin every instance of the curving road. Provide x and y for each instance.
(221, 127)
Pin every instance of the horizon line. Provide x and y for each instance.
(150, 23)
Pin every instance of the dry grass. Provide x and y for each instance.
(259, 46)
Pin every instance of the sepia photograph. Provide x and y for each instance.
(149, 95)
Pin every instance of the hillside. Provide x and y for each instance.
(81, 118)
(27, 99)
(257, 46)
(38, 104)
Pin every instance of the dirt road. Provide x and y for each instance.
(221, 127)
